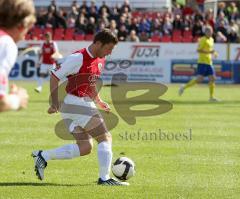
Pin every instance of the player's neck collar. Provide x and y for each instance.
(90, 54)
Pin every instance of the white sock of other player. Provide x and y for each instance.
(40, 82)
(68, 151)
(104, 159)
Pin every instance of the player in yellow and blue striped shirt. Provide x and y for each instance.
(205, 67)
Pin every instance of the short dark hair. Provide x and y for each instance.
(105, 37)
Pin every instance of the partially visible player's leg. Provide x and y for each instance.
(44, 71)
(82, 147)
(211, 85)
(191, 83)
(104, 139)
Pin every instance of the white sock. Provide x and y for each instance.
(104, 159)
(68, 151)
(40, 82)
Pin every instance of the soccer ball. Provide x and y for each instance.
(123, 168)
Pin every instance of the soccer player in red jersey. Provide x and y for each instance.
(48, 48)
(82, 69)
(16, 18)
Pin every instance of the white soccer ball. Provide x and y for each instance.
(123, 168)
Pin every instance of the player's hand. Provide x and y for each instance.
(215, 54)
(54, 108)
(104, 106)
(23, 96)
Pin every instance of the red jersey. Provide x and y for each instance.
(47, 50)
(82, 71)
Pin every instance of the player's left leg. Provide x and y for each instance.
(211, 85)
(104, 139)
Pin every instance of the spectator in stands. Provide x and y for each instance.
(93, 13)
(233, 25)
(222, 8)
(41, 17)
(81, 24)
(197, 30)
(187, 23)
(126, 6)
(122, 21)
(220, 37)
(143, 37)
(104, 6)
(71, 22)
(83, 8)
(104, 16)
(114, 15)
(61, 21)
(50, 20)
(198, 15)
(113, 27)
(209, 18)
(75, 4)
(222, 28)
(93, 5)
(177, 10)
(232, 11)
(101, 26)
(156, 27)
(177, 22)
(232, 35)
(133, 36)
(221, 20)
(122, 33)
(145, 25)
(52, 7)
(74, 12)
(167, 26)
(91, 26)
(134, 24)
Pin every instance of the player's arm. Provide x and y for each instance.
(71, 65)
(14, 101)
(103, 105)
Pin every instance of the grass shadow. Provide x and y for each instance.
(10, 184)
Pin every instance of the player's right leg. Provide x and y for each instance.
(201, 70)
(191, 83)
(43, 73)
(82, 147)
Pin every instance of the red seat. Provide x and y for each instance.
(166, 38)
(79, 37)
(187, 39)
(47, 30)
(177, 33)
(187, 33)
(69, 31)
(195, 39)
(177, 39)
(57, 37)
(155, 38)
(28, 36)
(89, 37)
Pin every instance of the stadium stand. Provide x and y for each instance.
(81, 20)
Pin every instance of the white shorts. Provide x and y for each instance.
(46, 68)
(77, 118)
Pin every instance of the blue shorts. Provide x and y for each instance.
(205, 70)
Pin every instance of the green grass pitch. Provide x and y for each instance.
(207, 166)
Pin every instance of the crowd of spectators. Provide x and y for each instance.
(131, 25)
